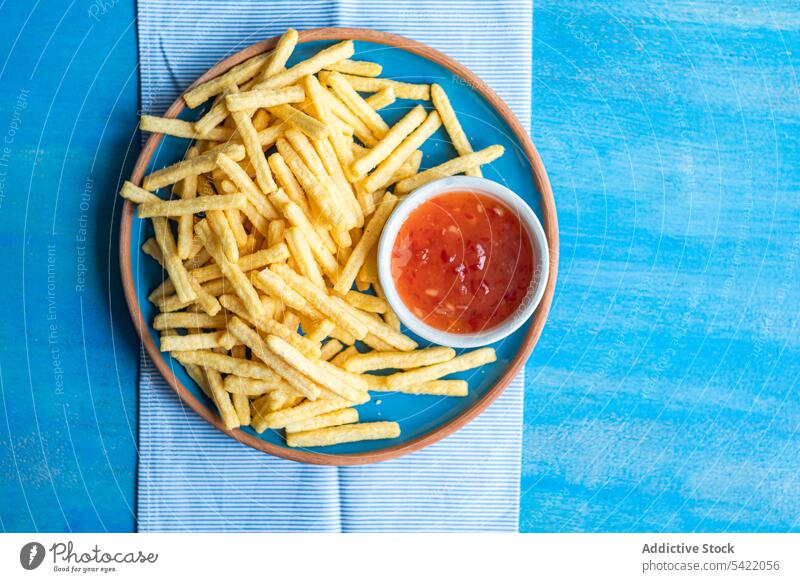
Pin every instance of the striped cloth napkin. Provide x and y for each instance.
(192, 477)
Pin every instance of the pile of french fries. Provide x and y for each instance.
(275, 215)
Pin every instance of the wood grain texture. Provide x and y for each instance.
(663, 393)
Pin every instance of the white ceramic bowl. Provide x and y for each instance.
(538, 243)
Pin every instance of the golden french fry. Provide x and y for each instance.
(330, 349)
(198, 374)
(187, 190)
(381, 99)
(202, 164)
(246, 185)
(457, 136)
(136, 194)
(366, 302)
(228, 365)
(222, 399)
(328, 56)
(387, 167)
(298, 246)
(237, 228)
(314, 190)
(350, 433)
(260, 119)
(241, 404)
(299, 219)
(231, 271)
(194, 341)
(180, 128)
(191, 206)
(458, 364)
(315, 371)
(164, 321)
(236, 75)
(324, 149)
(433, 388)
(320, 331)
(408, 169)
(251, 100)
(340, 110)
(345, 92)
(267, 325)
(372, 233)
(292, 321)
(401, 90)
(301, 121)
(253, 387)
(335, 418)
(220, 226)
(306, 410)
(378, 329)
(449, 168)
(288, 182)
(297, 380)
(360, 68)
(253, 147)
(343, 356)
(393, 138)
(172, 263)
(401, 360)
(283, 50)
(273, 285)
(320, 301)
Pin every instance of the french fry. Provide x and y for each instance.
(220, 226)
(387, 167)
(299, 219)
(458, 364)
(335, 418)
(393, 138)
(187, 190)
(372, 233)
(191, 206)
(246, 185)
(306, 410)
(198, 374)
(408, 169)
(237, 75)
(360, 68)
(194, 341)
(320, 331)
(241, 404)
(137, 194)
(324, 149)
(237, 228)
(292, 321)
(315, 371)
(283, 50)
(381, 99)
(228, 365)
(267, 325)
(347, 95)
(254, 153)
(252, 387)
(378, 329)
(366, 431)
(164, 321)
(301, 121)
(449, 168)
(173, 303)
(172, 263)
(340, 110)
(433, 388)
(320, 301)
(231, 271)
(222, 399)
(298, 246)
(328, 56)
(275, 286)
(252, 100)
(343, 356)
(401, 90)
(400, 360)
(296, 379)
(314, 190)
(288, 182)
(202, 164)
(180, 128)
(330, 349)
(366, 302)
(457, 136)
(260, 119)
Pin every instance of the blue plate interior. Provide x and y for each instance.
(417, 415)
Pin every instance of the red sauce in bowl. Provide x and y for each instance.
(462, 262)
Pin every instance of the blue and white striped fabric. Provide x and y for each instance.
(191, 477)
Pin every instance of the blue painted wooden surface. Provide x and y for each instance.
(663, 393)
